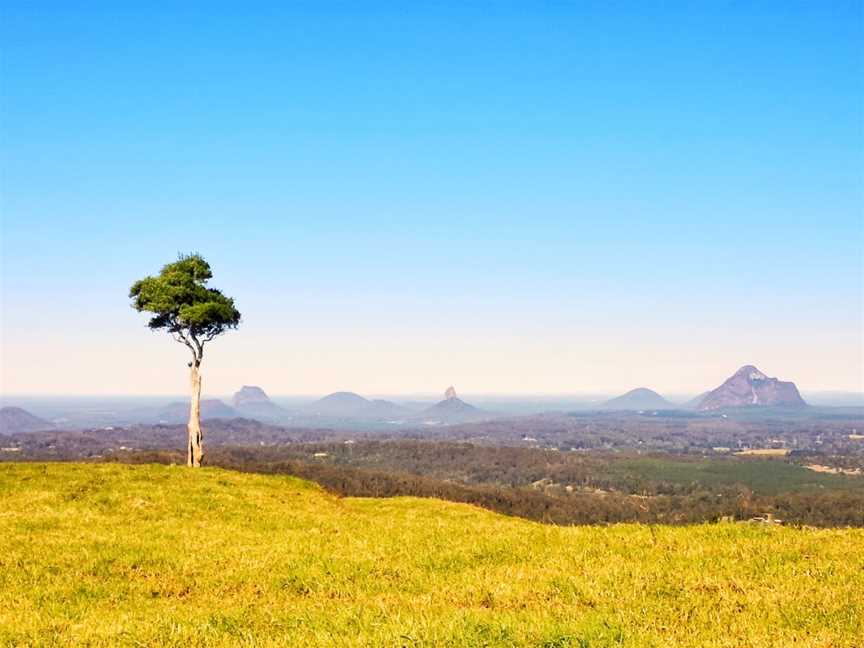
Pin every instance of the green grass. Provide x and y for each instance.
(166, 556)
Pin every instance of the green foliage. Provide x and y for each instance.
(183, 304)
(107, 555)
(763, 476)
(544, 485)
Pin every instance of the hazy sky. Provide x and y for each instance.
(510, 197)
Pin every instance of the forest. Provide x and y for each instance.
(556, 487)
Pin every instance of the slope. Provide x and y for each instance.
(160, 555)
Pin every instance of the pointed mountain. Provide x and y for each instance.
(14, 420)
(640, 398)
(749, 387)
(452, 410)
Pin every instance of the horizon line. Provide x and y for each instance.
(599, 392)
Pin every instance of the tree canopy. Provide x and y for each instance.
(183, 304)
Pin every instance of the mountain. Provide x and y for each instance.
(14, 420)
(249, 395)
(452, 410)
(749, 387)
(211, 408)
(640, 398)
(351, 405)
(253, 402)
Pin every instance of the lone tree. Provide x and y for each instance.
(193, 314)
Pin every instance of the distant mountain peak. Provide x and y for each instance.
(644, 391)
(453, 410)
(249, 394)
(350, 405)
(640, 398)
(751, 372)
(345, 397)
(253, 402)
(749, 387)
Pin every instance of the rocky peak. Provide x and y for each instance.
(749, 387)
(450, 393)
(751, 373)
(249, 394)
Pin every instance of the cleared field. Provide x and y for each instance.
(765, 476)
(165, 556)
(764, 452)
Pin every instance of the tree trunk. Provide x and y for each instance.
(195, 448)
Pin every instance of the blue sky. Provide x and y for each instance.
(510, 197)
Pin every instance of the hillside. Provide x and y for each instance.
(14, 420)
(159, 555)
(640, 398)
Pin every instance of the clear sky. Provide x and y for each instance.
(509, 197)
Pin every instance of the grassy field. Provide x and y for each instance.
(166, 556)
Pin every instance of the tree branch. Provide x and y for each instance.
(177, 334)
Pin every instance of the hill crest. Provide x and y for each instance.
(640, 398)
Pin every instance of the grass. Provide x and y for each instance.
(166, 556)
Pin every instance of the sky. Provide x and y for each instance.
(536, 197)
